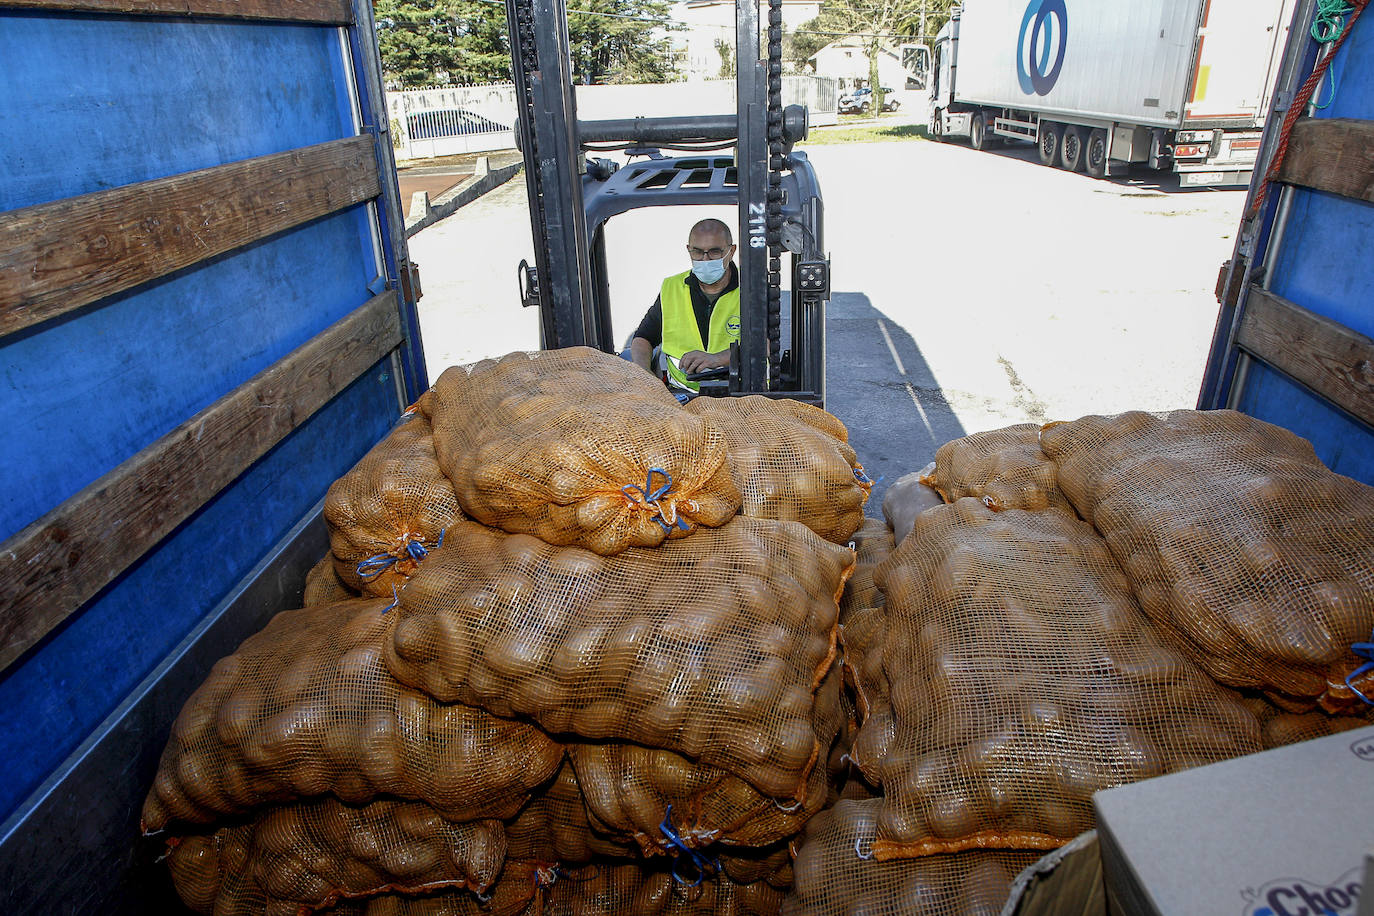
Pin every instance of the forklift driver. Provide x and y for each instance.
(696, 315)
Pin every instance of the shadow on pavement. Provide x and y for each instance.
(882, 388)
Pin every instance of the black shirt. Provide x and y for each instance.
(651, 328)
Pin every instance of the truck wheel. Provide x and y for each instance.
(1071, 148)
(937, 125)
(1095, 154)
(978, 131)
(1048, 143)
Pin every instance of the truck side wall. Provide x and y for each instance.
(1315, 257)
(103, 101)
(1240, 42)
(1123, 60)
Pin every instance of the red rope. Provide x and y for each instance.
(1299, 105)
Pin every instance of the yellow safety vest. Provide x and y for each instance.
(681, 334)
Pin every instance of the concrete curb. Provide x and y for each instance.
(424, 213)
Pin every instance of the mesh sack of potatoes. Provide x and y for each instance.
(520, 891)
(323, 585)
(1005, 468)
(711, 646)
(907, 497)
(633, 890)
(1279, 727)
(872, 544)
(1235, 535)
(787, 468)
(307, 707)
(662, 801)
(864, 636)
(837, 874)
(1024, 678)
(311, 855)
(390, 509)
(554, 828)
(579, 447)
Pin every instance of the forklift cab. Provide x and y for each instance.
(573, 193)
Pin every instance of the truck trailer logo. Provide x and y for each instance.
(1040, 49)
(1296, 897)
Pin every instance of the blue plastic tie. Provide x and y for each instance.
(697, 860)
(374, 566)
(650, 497)
(860, 476)
(1363, 650)
(395, 600)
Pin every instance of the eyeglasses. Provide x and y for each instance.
(706, 254)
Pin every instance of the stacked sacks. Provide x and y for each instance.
(578, 447)
(667, 710)
(791, 462)
(331, 779)
(1236, 537)
(863, 632)
(999, 675)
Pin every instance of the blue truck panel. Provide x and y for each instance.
(153, 357)
(95, 101)
(53, 698)
(91, 102)
(1342, 443)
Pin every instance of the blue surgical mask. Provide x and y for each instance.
(709, 272)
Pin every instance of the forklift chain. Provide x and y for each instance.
(529, 54)
(773, 224)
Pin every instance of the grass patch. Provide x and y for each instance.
(872, 133)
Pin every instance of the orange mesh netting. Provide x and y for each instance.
(872, 544)
(837, 875)
(579, 447)
(662, 800)
(323, 585)
(1235, 535)
(1014, 646)
(390, 509)
(864, 636)
(711, 646)
(306, 707)
(312, 855)
(787, 468)
(520, 891)
(1005, 468)
(634, 891)
(554, 828)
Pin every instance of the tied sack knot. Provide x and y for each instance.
(1363, 650)
(655, 501)
(410, 548)
(686, 855)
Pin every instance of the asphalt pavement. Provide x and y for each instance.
(972, 290)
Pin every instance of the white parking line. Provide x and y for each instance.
(919, 409)
(893, 350)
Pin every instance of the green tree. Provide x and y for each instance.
(726, 50)
(933, 14)
(432, 42)
(801, 44)
(877, 23)
(620, 41)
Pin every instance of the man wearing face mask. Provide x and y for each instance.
(696, 315)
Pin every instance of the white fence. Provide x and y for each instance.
(427, 123)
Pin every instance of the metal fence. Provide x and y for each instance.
(426, 123)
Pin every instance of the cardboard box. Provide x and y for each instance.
(1280, 833)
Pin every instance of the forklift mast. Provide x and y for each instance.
(774, 188)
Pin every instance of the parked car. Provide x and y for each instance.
(449, 122)
(861, 100)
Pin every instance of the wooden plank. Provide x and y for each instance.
(60, 256)
(1331, 154)
(59, 562)
(1322, 354)
(325, 12)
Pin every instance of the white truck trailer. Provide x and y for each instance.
(1098, 84)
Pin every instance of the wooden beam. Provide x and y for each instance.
(59, 562)
(1331, 154)
(1324, 355)
(60, 256)
(324, 12)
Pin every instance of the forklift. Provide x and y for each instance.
(572, 196)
